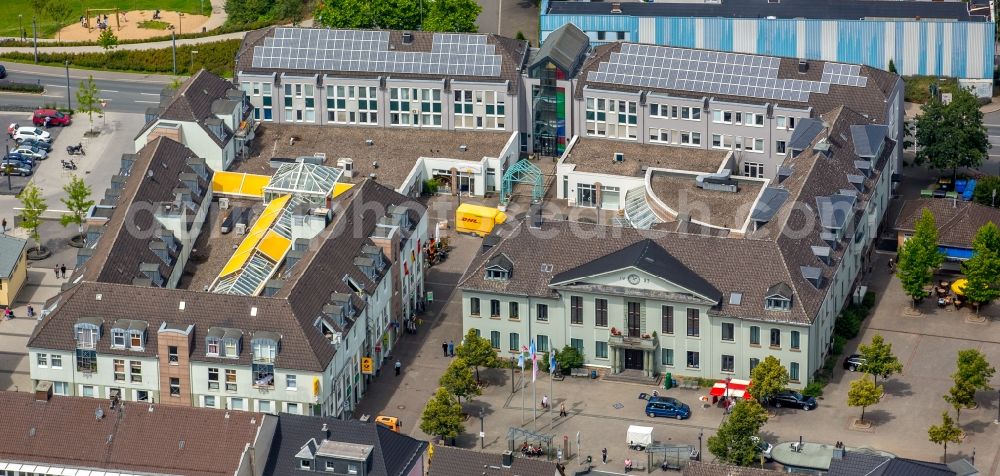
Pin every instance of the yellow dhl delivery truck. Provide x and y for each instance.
(477, 219)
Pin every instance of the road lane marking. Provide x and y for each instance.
(150, 94)
(147, 102)
(108, 91)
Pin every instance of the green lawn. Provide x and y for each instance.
(10, 24)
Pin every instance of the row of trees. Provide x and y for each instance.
(919, 258)
(33, 206)
(443, 414)
(427, 15)
(973, 373)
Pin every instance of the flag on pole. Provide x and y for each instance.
(534, 361)
(520, 361)
(552, 362)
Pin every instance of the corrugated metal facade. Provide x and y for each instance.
(939, 48)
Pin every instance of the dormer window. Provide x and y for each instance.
(499, 268)
(128, 334)
(212, 346)
(265, 349)
(118, 338)
(776, 303)
(88, 332)
(497, 275)
(232, 347)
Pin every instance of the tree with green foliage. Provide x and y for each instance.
(974, 369)
(452, 15)
(879, 359)
(863, 393)
(952, 135)
(60, 12)
(960, 395)
(77, 202)
(458, 380)
(245, 12)
(987, 190)
(32, 207)
(732, 442)
(107, 39)
(442, 416)
(385, 14)
(982, 270)
(88, 99)
(769, 377)
(477, 352)
(892, 66)
(918, 257)
(946, 432)
(568, 358)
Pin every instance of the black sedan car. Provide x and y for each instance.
(3, 71)
(790, 398)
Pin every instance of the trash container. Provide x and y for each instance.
(667, 381)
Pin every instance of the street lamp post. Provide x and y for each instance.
(193, 52)
(69, 101)
(997, 421)
(482, 429)
(700, 434)
(20, 25)
(9, 168)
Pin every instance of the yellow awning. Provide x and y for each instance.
(339, 188)
(958, 287)
(274, 246)
(255, 235)
(239, 184)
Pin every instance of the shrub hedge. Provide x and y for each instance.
(21, 87)
(222, 30)
(218, 57)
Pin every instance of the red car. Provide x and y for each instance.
(56, 118)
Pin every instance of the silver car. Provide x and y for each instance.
(31, 151)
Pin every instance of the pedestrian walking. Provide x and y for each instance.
(4, 226)
(31, 311)
(545, 401)
(562, 409)
(63, 269)
(47, 119)
(56, 269)
(444, 348)
(399, 366)
(604, 456)
(451, 348)
(892, 265)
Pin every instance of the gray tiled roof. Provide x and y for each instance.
(193, 102)
(695, 468)
(451, 461)
(564, 47)
(11, 250)
(126, 240)
(394, 454)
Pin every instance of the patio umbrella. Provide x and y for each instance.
(737, 388)
(958, 287)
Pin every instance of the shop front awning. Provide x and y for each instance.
(955, 254)
(731, 387)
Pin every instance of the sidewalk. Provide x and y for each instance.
(130, 47)
(78, 74)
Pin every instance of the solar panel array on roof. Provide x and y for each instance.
(456, 54)
(732, 74)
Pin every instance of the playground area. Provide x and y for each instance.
(132, 25)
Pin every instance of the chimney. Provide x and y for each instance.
(536, 215)
(407, 38)
(616, 7)
(803, 66)
(387, 238)
(43, 391)
(507, 459)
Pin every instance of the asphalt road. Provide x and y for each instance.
(125, 92)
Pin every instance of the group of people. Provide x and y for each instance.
(545, 406)
(101, 22)
(448, 348)
(531, 450)
(60, 271)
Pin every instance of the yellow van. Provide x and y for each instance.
(477, 219)
(389, 422)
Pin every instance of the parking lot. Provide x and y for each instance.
(102, 161)
(16, 183)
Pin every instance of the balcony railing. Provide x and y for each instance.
(638, 343)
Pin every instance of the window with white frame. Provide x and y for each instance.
(237, 403)
(477, 109)
(612, 118)
(751, 144)
(209, 401)
(212, 345)
(291, 382)
(87, 390)
(753, 119)
(43, 360)
(267, 100)
(690, 138)
(720, 141)
(658, 110)
(119, 369)
(691, 113)
(60, 388)
(351, 104)
(780, 122)
(136, 340)
(722, 117)
(135, 371)
(265, 406)
(213, 378)
(778, 303)
(118, 338)
(288, 99)
(292, 408)
(586, 195)
(417, 107)
(309, 93)
(659, 135)
(56, 361)
(231, 380)
(601, 349)
(779, 147)
(753, 169)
